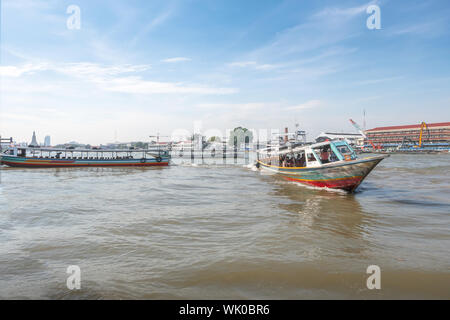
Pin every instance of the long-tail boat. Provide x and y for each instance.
(32, 157)
(329, 164)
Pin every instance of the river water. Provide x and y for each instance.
(214, 231)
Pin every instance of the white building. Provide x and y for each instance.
(47, 141)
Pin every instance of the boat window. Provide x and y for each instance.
(21, 153)
(344, 150)
(323, 153)
(326, 154)
(312, 160)
(311, 157)
(333, 156)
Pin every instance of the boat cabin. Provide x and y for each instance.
(84, 154)
(314, 155)
(15, 151)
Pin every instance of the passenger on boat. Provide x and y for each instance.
(324, 156)
(300, 161)
(290, 162)
(282, 160)
(333, 157)
(287, 161)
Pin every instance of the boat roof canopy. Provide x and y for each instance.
(301, 148)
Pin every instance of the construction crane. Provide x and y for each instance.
(157, 137)
(364, 135)
(423, 126)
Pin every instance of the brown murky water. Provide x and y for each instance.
(225, 232)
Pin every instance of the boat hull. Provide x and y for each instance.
(22, 162)
(346, 175)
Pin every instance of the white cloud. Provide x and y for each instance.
(114, 78)
(266, 66)
(29, 4)
(242, 64)
(307, 105)
(177, 59)
(430, 28)
(24, 88)
(253, 64)
(344, 12)
(376, 81)
(155, 22)
(96, 70)
(322, 29)
(160, 19)
(136, 85)
(75, 69)
(17, 71)
(235, 106)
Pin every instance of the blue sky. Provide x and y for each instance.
(135, 68)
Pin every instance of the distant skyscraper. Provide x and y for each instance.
(47, 141)
(34, 141)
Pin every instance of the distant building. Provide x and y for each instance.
(239, 136)
(180, 145)
(5, 143)
(352, 138)
(47, 141)
(34, 142)
(435, 133)
(198, 141)
(71, 145)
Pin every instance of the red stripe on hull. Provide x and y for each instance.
(60, 165)
(348, 184)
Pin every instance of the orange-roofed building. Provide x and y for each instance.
(433, 133)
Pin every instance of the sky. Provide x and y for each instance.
(137, 68)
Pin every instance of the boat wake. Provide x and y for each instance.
(251, 166)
